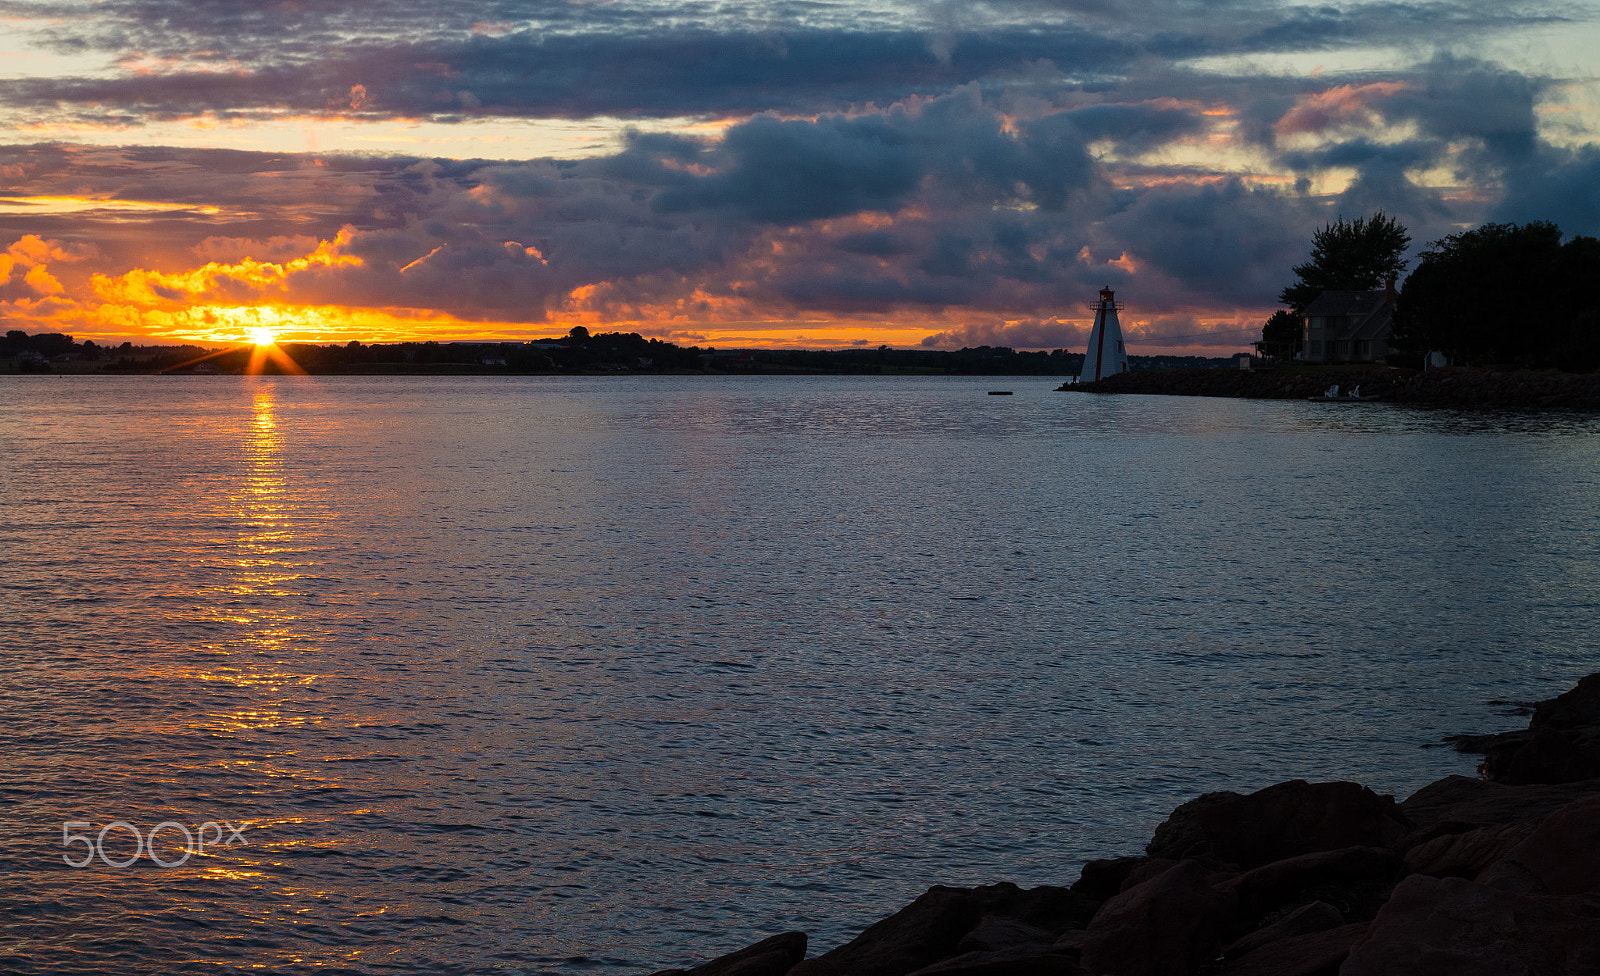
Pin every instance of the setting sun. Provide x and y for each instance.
(262, 337)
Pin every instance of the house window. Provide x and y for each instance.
(1341, 349)
(1363, 348)
(1316, 348)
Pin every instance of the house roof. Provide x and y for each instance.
(1346, 303)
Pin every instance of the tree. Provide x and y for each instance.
(1281, 336)
(1505, 293)
(1349, 255)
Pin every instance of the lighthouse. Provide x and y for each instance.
(1106, 354)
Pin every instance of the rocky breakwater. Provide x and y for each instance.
(1455, 388)
(1499, 875)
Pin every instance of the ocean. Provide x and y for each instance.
(562, 674)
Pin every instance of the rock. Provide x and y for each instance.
(1150, 867)
(1560, 857)
(918, 935)
(1165, 926)
(769, 957)
(1100, 880)
(1016, 961)
(1473, 801)
(994, 932)
(1560, 745)
(930, 929)
(1551, 755)
(1281, 882)
(1319, 916)
(1575, 709)
(1047, 907)
(1182, 833)
(1464, 854)
(1452, 927)
(1279, 822)
(1480, 744)
(1312, 954)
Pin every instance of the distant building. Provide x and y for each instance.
(1106, 354)
(1349, 326)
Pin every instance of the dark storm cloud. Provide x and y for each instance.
(682, 72)
(1136, 127)
(791, 171)
(1363, 154)
(1461, 98)
(1561, 185)
(772, 170)
(1228, 241)
(574, 60)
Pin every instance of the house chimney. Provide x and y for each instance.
(1388, 289)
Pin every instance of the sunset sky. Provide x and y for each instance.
(795, 173)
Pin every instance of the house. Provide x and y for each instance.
(1349, 326)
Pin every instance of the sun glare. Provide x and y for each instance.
(262, 337)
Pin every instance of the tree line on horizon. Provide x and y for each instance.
(1499, 294)
(579, 351)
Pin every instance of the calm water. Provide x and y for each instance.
(549, 675)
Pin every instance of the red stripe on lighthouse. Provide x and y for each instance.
(1100, 348)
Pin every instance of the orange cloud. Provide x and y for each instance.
(1338, 106)
(144, 287)
(32, 251)
(42, 281)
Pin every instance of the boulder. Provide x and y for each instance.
(1319, 916)
(995, 932)
(931, 929)
(1560, 745)
(1550, 755)
(769, 957)
(1099, 880)
(1150, 867)
(1473, 801)
(1288, 881)
(1047, 907)
(1163, 927)
(918, 935)
(1481, 744)
(1279, 822)
(1312, 954)
(1016, 961)
(1575, 709)
(1560, 857)
(1467, 853)
(1182, 834)
(1452, 927)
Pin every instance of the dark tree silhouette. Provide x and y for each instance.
(1504, 293)
(1281, 336)
(1349, 255)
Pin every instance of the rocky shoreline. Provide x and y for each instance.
(1454, 388)
(1498, 875)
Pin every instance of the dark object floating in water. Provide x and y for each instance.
(999, 392)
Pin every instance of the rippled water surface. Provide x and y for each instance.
(546, 675)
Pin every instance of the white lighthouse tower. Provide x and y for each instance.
(1106, 354)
